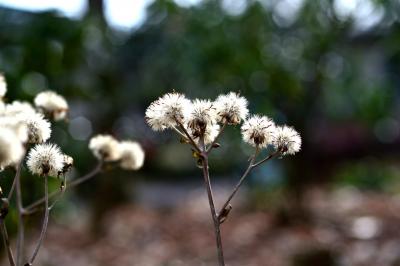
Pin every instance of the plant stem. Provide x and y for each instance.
(20, 211)
(251, 166)
(195, 146)
(32, 208)
(216, 138)
(11, 192)
(7, 243)
(45, 221)
(217, 230)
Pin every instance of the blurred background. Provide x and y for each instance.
(329, 68)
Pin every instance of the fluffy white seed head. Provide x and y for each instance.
(2, 107)
(167, 110)
(52, 105)
(39, 129)
(258, 131)
(45, 160)
(132, 155)
(105, 147)
(155, 116)
(18, 108)
(11, 148)
(203, 116)
(16, 125)
(3, 86)
(286, 140)
(231, 108)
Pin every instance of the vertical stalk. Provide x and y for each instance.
(214, 215)
(20, 211)
(45, 221)
(6, 241)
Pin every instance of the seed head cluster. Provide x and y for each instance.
(128, 155)
(22, 125)
(202, 120)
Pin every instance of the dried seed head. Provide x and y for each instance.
(286, 140)
(52, 105)
(132, 155)
(258, 131)
(167, 111)
(105, 147)
(45, 160)
(231, 108)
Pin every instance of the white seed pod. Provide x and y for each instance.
(45, 160)
(258, 131)
(132, 155)
(105, 147)
(39, 129)
(52, 105)
(11, 148)
(231, 108)
(167, 111)
(286, 140)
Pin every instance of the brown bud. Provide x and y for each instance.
(216, 145)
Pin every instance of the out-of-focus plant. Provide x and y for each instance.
(200, 123)
(24, 132)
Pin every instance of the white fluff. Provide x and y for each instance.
(3, 86)
(52, 104)
(231, 108)
(258, 131)
(286, 140)
(202, 117)
(167, 111)
(39, 129)
(45, 160)
(105, 147)
(132, 155)
(11, 148)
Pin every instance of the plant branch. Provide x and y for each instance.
(188, 137)
(236, 188)
(270, 156)
(11, 192)
(217, 230)
(45, 221)
(20, 211)
(216, 138)
(32, 208)
(6, 241)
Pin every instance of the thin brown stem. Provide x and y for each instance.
(6, 241)
(216, 138)
(20, 211)
(32, 208)
(45, 222)
(251, 166)
(270, 156)
(12, 189)
(242, 178)
(195, 146)
(217, 230)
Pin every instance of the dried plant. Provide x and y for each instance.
(24, 132)
(200, 123)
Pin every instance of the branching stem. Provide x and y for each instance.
(45, 221)
(32, 208)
